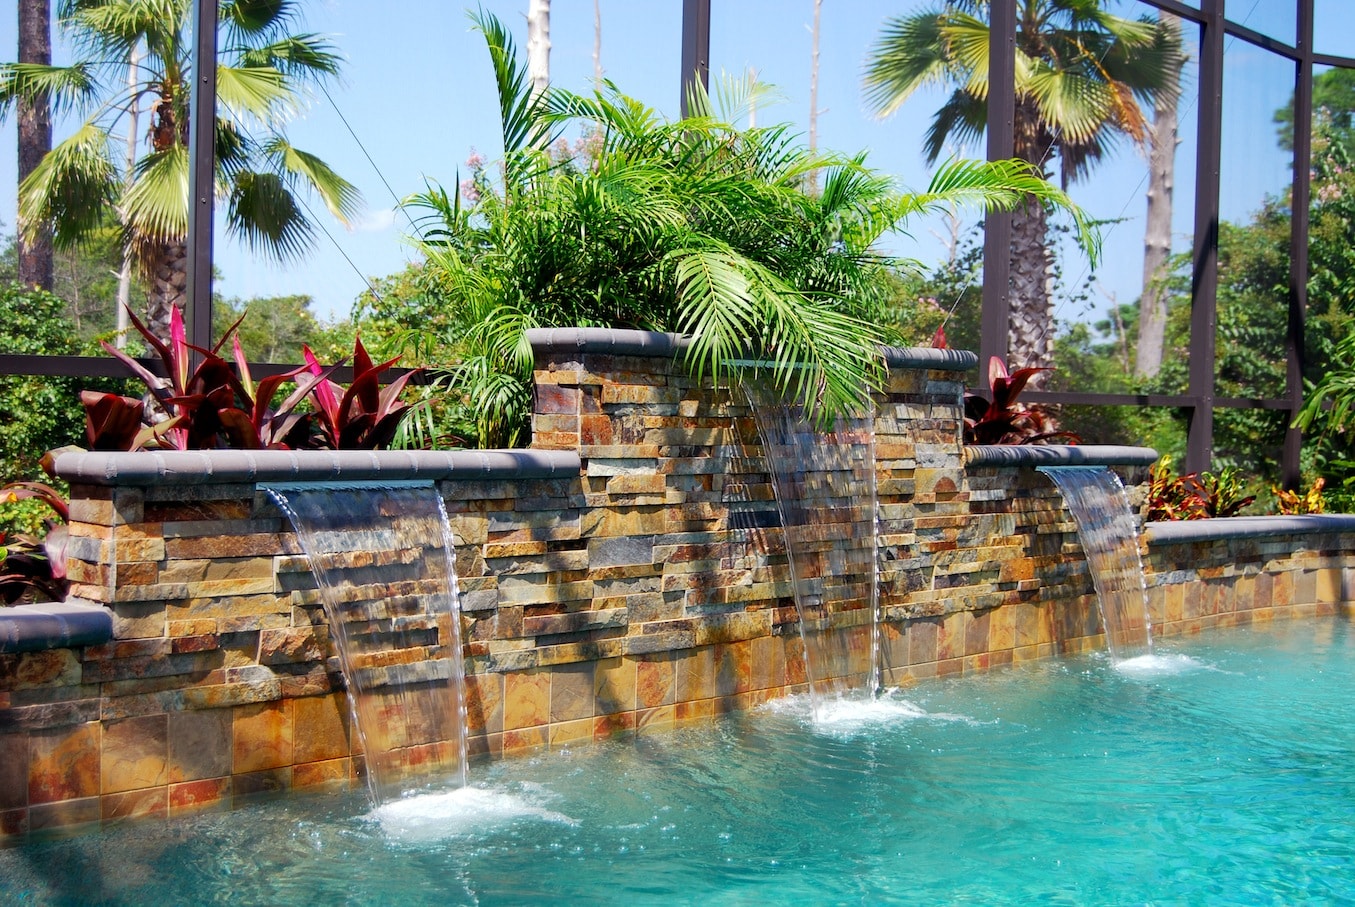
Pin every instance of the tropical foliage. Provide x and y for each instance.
(262, 73)
(697, 227)
(1083, 80)
(33, 569)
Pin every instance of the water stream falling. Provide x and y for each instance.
(384, 560)
(825, 492)
(1109, 534)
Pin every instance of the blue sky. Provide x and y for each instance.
(418, 93)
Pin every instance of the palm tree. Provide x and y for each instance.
(694, 226)
(1083, 77)
(35, 138)
(263, 68)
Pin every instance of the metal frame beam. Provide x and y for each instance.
(202, 173)
(695, 48)
(1204, 279)
(995, 320)
(1295, 345)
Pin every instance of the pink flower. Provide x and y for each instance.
(476, 161)
(469, 191)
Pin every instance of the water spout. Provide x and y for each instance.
(384, 560)
(1109, 534)
(824, 484)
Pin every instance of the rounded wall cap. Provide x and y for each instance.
(220, 467)
(606, 341)
(1016, 456)
(1177, 532)
(925, 357)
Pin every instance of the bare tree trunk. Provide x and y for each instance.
(1157, 231)
(167, 273)
(538, 45)
(814, 94)
(597, 41)
(35, 141)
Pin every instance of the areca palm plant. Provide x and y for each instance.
(696, 227)
(1083, 80)
(263, 69)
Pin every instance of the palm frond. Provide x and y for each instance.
(72, 188)
(259, 92)
(64, 88)
(339, 195)
(263, 213)
(522, 115)
(306, 56)
(155, 206)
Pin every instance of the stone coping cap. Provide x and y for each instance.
(54, 625)
(920, 357)
(1014, 456)
(219, 467)
(1175, 532)
(608, 341)
(623, 342)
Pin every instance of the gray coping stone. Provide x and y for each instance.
(1246, 527)
(1015, 456)
(925, 357)
(622, 342)
(218, 467)
(54, 625)
(607, 341)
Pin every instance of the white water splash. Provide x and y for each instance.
(464, 811)
(846, 717)
(1159, 665)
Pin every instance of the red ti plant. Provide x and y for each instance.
(34, 569)
(206, 406)
(1001, 419)
(366, 416)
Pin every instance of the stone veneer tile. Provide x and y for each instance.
(330, 772)
(200, 744)
(64, 814)
(135, 754)
(524, 740)
(654, 680)
(526, 700)
(262, 784)
(976, 633)
(484, 703)
(655, 720)
(262, 738)
(922, 635)
(621, 724)
(14, 755)
(614, 686)
(135, 804)
(694, 674)
(563, 733)
(571, 693)
(733, 668)
(64, 764)
(950, 636)
(194, 796)
(320, 728)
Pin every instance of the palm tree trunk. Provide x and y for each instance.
(35, 139)
(1157, 231)
(814, 93)
(538, 44)
(1031, 331)
(167, 271)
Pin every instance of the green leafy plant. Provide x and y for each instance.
(696, 227)
(1000, 419)
(1224, 494)
(33, 569)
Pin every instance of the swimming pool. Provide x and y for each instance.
(1219, 773)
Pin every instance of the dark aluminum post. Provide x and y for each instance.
(695, 47)
(995, 321)
(1298, 246)
(201, 174)
(1204, 280)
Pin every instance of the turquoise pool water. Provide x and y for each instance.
(1220, 773)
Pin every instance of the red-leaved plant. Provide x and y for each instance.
(1000, 419)
(218, 404)
(34, 569)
